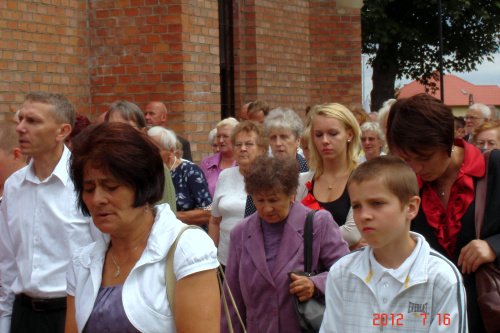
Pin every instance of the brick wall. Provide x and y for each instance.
(296, 53)
(290, 53)
(152, 50)
(335, 53)
(43, 47)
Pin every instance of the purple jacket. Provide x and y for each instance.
(263, 298)
(211, 169)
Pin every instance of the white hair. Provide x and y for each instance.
(168, 138)
(384, 112)
(227, 121)
(212, 135)
(283, 118)
(483, 108)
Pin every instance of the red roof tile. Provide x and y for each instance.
(457, 91)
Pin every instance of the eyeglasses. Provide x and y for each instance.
(240, 145)
(222, 136)
(472, 118)
(486, 144)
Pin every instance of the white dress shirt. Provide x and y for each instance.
(40, 227)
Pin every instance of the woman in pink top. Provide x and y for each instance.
(213, 165)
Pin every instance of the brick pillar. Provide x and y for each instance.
(296, 53)
(152, 50)
(43, 47)
(335, 52)
(272, 55)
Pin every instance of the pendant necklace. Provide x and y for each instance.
(330, 186)
(442, 191)
(117, 273)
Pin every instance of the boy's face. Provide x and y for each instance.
(381, 219)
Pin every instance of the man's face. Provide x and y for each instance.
(155, 115)
(259, 117)
(473, 119)
(38, 130)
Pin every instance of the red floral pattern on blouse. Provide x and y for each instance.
(447, 223)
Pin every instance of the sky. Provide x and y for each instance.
(487, 73)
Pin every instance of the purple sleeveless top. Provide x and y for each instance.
(108, 314)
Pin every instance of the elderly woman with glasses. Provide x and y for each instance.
(230, 201)
(372, 140)
(213, 165)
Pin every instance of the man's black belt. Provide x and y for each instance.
(42, 304)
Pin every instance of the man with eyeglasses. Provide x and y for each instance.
(477, 114)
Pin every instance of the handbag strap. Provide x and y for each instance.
(480, 197)
(220, 277)
(308, 241)
(170, 280)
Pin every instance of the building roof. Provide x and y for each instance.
(456, 92)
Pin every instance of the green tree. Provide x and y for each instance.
(401, 37)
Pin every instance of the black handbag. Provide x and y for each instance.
(487, 275)
(310, 312)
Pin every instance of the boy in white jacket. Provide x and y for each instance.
(397, 282)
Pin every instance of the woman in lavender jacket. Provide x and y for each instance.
(269, 244)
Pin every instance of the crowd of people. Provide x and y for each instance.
(89, 212)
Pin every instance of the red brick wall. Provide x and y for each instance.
(43, 47)
(152, 50)
(296, 53)
(335, 53)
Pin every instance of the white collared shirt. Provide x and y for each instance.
(40, 227)
(388, 282)
(433, 290)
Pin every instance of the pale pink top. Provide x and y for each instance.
(212, 170)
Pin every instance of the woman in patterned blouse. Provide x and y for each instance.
(193, 198)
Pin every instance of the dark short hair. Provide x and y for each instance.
(393, 172)
(251, 126)
(62, 109)
(128, 111)
(420, 123)
(257, 106)
(81, 122)
(127, 154)
(266, 172)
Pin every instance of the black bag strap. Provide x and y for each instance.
(480, 196)
(308, 241)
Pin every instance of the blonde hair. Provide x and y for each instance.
(347, 119)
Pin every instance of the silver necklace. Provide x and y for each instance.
(173, 163)
(117, 273)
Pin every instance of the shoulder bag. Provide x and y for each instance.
(170, 281)
(487, 275)
(310, 312)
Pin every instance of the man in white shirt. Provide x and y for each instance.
(40, 225)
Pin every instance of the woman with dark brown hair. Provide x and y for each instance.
(420, 130)
(117, 284)
(268, 244)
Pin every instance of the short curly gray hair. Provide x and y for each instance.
(283, 118)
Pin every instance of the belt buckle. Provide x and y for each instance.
(34, 303)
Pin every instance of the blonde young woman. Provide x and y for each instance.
(334, 146)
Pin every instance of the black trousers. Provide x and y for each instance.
(26, 320)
